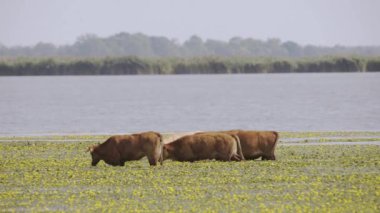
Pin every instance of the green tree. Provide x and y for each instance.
(89, 45)
(292, 48)
(194, 47)
(215, 47)
(162, 46)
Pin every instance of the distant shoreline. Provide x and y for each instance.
(172, 66)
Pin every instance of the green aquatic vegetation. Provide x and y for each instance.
(51, 176)
(185, 65)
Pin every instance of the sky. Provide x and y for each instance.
(317, 22)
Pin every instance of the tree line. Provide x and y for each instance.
(140, 45)
(199, 65)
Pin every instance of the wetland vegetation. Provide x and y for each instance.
(204, 65)
(47, 175)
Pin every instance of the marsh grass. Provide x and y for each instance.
(182, 65)
(50, 176)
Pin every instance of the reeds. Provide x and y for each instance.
(198, 65)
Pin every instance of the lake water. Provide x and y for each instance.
(120, 104)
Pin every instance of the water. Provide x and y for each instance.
(119, 104)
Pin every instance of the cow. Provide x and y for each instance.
(118, 149)
(218, 146)
(255, 144)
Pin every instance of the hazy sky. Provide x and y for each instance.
(320, 22)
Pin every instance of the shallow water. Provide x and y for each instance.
(117, 104)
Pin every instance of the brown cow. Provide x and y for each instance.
(191, 148)
(118, 149)
(256, 144)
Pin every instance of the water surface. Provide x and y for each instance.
(117, 104)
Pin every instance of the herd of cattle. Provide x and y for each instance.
(230, 145)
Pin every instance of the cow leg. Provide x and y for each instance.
(152, 160)
(252, 157)
(268, 157)
(122, 163)
(235, 157)
(95, 162)
(114, 163)
(220, 157)
(272, 156)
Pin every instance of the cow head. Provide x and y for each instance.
(94, 154)
(166, 152)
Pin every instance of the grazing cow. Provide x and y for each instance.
(218, 146)
(255, 144)
(118, 149)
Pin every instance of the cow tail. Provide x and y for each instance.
(274, 145)
(162, 150)
(276, 140)
(240, 150)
